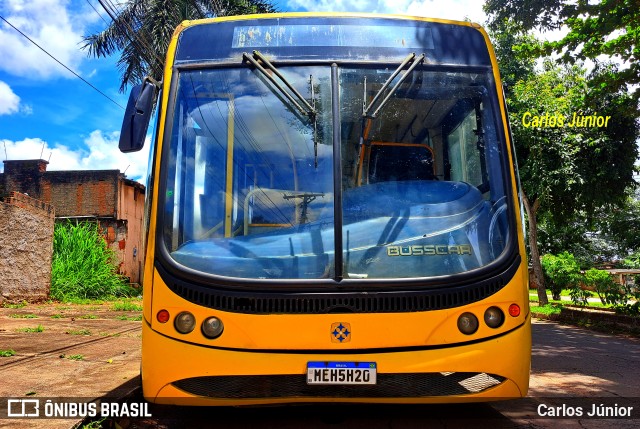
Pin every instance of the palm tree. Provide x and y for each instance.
(140, 30)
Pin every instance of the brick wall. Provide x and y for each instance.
(24, 176)
(131, 211)
(82, 193)
(103, 195)
(26, 248)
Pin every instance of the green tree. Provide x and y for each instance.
(620, 227)
(140, 31)
(562, 271)
(515, 63)
(609, 235)
(570, 236)
(569, 170)
(608, 27)
(602, 282)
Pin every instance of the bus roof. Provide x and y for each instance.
(329, 37)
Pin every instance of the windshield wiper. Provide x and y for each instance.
(367, 116)
(307, 110)
(366, 111)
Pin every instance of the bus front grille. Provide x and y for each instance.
(405, 385)
(344, 301)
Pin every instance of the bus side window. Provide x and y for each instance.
(463, 155)
(389, 162)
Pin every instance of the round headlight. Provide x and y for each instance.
(185, 322)
(467, 323)
(493, 317)
(212, 327)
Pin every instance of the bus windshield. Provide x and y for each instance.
(250, 180)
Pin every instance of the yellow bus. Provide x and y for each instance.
(333, 215)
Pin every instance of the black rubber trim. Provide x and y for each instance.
(344, 301)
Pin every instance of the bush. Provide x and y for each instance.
(562, 272)
(83, 265)
(608, 291)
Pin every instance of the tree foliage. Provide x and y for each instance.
(608, 27)
(566, 168)
(602, 282)
(561, 271)
(569, 174)
(140, 31)
(620, 227)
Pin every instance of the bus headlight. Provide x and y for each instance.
(212, 327)
(185, 322)
(493, 317)
(467, 323)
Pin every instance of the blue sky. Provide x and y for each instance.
(46, 112)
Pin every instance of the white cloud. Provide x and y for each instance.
(9, 101)
(457, 10)
(454, 9)
(101, 153)
(52, 25)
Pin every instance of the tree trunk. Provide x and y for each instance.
(538, 278)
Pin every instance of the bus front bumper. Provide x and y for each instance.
(181, 373)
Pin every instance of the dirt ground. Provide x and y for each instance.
(73, 351)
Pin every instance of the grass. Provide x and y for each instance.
(75, 357)
(23, 316)
(126, 306)
(137, 318)
(547, 310)
(596, 304)
(79, 332)
(86, 301)
(83, 266)
(96, 424)
(7, 353)
(57, 316)
(15, 305)
(88, 316)
(38, 328)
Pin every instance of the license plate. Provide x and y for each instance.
(341, 373)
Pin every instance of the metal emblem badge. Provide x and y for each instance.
(340, 332)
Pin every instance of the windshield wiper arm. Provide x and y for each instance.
(368, 117)
(307, 110)
(411, 57)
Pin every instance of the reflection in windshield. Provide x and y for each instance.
(250, 186)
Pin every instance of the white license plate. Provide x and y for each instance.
(341, 373)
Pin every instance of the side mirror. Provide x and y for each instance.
(136, 117)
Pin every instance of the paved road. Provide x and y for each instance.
(570, 366)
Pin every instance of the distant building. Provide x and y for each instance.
(105, 196)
